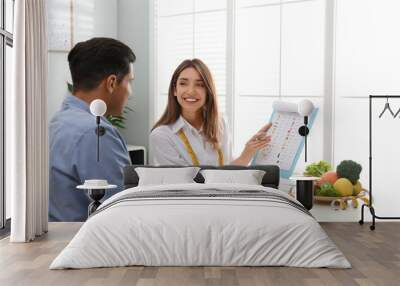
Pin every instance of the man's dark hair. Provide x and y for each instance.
(95, 59)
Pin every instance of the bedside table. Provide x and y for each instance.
(96, 194)
(305, 190)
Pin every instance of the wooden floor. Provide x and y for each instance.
(374, 255)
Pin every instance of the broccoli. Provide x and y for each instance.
(350, 170)
(327, 190)
(317, 169)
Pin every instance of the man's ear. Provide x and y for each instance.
(111, 83)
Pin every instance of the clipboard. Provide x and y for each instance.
(286, 144)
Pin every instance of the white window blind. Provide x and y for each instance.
(185, 30)
(8, 89)
(281, 58)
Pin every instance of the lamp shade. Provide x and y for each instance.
(98, 107)
(305, 107)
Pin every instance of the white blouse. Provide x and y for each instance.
(167, 148)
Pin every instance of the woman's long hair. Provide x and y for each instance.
(211, 123)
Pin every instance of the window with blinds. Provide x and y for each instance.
(6, 69)
(185, 30)
(280, 55)
(258, 51)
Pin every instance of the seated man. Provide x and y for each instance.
(101, 68)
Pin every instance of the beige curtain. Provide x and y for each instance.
(26, 121)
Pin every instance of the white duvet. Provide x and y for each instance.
(200, 231)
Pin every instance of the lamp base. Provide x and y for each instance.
(96, 195)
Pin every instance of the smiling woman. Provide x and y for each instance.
(191, 130)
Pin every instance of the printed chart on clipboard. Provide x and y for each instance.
(286, 143)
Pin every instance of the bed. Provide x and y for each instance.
(198, 224)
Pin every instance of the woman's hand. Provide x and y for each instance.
(257, 142)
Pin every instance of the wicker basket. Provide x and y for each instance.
(342, 202)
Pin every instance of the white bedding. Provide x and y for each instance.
(200, 231)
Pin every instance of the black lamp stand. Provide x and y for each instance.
(100, 131)
(96, 195)
(305, 193)
(303, 131)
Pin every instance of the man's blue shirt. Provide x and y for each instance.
(73, 159)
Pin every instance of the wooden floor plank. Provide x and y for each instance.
(374, 255)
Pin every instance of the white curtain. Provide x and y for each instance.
(26, 121)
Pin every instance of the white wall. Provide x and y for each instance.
(133, 30)
(104, 19)
(127, 21)
(367, 62)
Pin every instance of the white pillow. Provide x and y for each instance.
(166, 176)
(248, 177)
